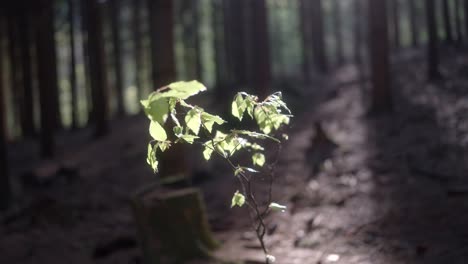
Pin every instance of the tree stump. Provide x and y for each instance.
(172, 225)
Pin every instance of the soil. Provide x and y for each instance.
(387, 188)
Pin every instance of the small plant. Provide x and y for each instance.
(167, 107)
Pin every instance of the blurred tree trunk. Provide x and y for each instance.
(304, 10)
(413, 16)
(219, 53)
(236, 13)
(97, 67)
(318, 36)
(337, 30)
(137, 46)
(395, 19)
(261, 49)
(73, 84)
(379, 57)
(197, 41)
(27, 94)
(446, 19)
(117, 49)
(458, 20)
(86, 59)
(358, 32)
(162, 41)
(432, 47)
(465, 11)
(47, 76)
(5, 185)
(15, 70)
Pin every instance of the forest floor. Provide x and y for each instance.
(383, 189)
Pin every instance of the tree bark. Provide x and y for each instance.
(117, 55)
(396, 33)
(47, 76)
(97, 67)
(337, 28)
(318, 36)
(261, 49)
(379, 57)
(5, 185)
(458, 20)
(414, 25)
(304, 10)
(161, 28)
(27, 94)
(432, 47)
(73, 84)
(446, 18)
(465, 10)
(137, 46)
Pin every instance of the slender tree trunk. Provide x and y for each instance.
(137, 46)
(73, 84)
(304, 10)
(379, 57)
(396, 33)
(27, 106)
(358, 32)
(458, 20)
(236, 12)
(219, 53)
(447, 24)
(318, 36)
(97, 67)
(413, 16)
(161, 27)
(261, 47)
(47, 76)
(465, 10)
(432, 48)
(117, 48)
(5, 185)
(197, 41)
(338, 25)
(84, 33)
(15, 70)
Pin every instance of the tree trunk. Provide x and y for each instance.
(27, 94)
(47, 76)
(261, 49)
(414, 25)
(196, 40)
(396, 33)
(304, 10)
(337, 28)
(358, 32)
(15, 70)
(318, 36)
(432, 47)
(447, 24)
(379, 57)
(5, 185)
(465, 10)
(458, 20)
(117, 49)
(137, 46)
(97, 67)
(161, 28)
(73, 84)
(236, 12)
(86, 59)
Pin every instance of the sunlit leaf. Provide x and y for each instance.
(193, 120)
(238, 106)
(258, 159)
(209, 120)
(238, 199)
(157, 132)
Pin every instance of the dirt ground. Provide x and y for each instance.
(383, 189)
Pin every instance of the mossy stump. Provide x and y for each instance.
(172, 225)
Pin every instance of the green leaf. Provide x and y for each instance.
(151, 158)
(238, 199)
(193, 120)
(188, 138)
(277, 207)
(238, 106)
(163, 145)
(156, 110)
(258, 159)
(207, 152)
(209, 120)
(178, 90)
(157, 132)
(178, 131)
